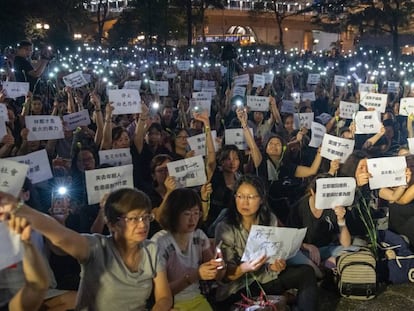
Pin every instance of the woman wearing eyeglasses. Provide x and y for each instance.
(119, 271)
(185, 250)
(250, 208)
(179, 145)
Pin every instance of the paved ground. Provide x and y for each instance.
(391, 298)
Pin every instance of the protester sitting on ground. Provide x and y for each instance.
(276, 168)
(326, 235)
(127, 264)
(366, 200)
(185, 250)
(249, 207)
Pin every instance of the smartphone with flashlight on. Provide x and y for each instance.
(219, 256)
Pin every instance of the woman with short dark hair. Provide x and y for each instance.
(119, 271)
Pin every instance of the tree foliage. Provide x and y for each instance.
(368, 17)
(63, 16)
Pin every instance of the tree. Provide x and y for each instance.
(156, 20)
(101, 18)
(369, 16)
(280, 13)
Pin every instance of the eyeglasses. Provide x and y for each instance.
(162, 170)
(249, 197)
(137, 219)
(182, 137)
(192, 213)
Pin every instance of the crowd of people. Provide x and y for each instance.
(161, 246)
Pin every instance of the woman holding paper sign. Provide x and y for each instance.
(276, 167)
(250, 208)
(118, 271)
(327, 233)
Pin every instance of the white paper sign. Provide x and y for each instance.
(288, 106)
(347, 109)
(318, 131)
(295, 97)
(125, 101)
(273, 242)
(258, 103)
(189, 172)
(73, 120)
(375, 100)
(75, 79)
(303, 120)
(334, 148)
(44, 127)
(308, 96)
(3, 112)
(11, 249)
(333, 192)
(16, 89)
(411, 144)
(134, 85)
(239, 91)
(393, 87)
(242, 79)
(387, 172)
(183, 65)
(39, 167)
(115, 157)
(313, 78)
(406, 106)
(12, 175)
(160, 87)
(367, 122)
(197, 85)
(198, 143)
(236, 137)
(258, 80)
(201, 103)
(105, 180)
(367, 88)
(268, 77)
(211, 90)
(340, 80)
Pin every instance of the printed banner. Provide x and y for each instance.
(333, 192)
(16, 89)
(38, 163)
(387, 172)
(12, 176)
(73, 120)
(105, 180)
(125, 101)
(115, 157)
(334, 148)
(44, 127)
(189, 172)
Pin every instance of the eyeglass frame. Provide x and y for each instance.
(138, 219)
(249, 197)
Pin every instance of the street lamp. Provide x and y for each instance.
(42, 26)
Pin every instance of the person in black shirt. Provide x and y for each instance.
(24, 70)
